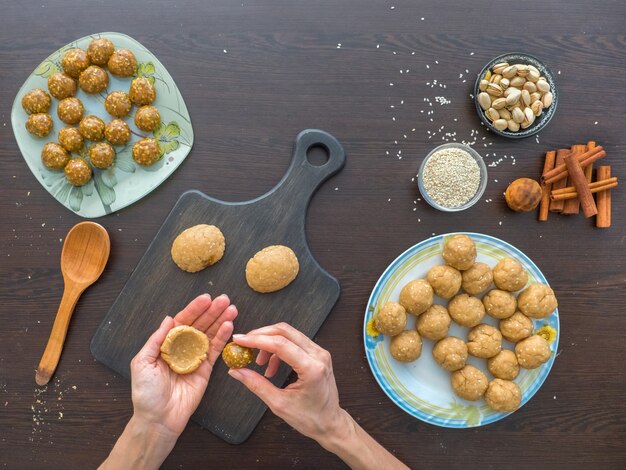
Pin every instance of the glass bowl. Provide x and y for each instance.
(481, 187)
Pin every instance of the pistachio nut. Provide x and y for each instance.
(488, 75)
(494, 90)
(498, 103)
(513, 97)
(500, 124)
(543, 86)
(498, 68)
(512, 125)
(546, 99)
(525, 98)
(529, 116)
(537, 107)
(518, 115)
(484, 100)
(496, 79)
(522, 70)
(530, 87)
(518, 82)
(505, 113)
(535, 96)
(533, 68)
(510, 71)
(483, 85)
(504, 83)
(533, 76)
(492, 114)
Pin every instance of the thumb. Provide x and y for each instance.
(151, 350)
(258, 385)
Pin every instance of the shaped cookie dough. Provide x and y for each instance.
(503, 396)
(537, 301)
(271, 269)
(516, 328)
(477, 278)
(504, 365)
(198, 247)
(509, 275)
(459, 252)
(445, 281)
(499, 303)
(532, 352)
(484, 341)
(469, 383)
(416, 296)
(466, 310)
(450, 353)
(406, 347)
(390, 319)
(184, 349)
(434, 322)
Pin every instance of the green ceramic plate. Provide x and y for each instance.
(117, 187)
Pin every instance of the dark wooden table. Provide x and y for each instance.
(255, 73)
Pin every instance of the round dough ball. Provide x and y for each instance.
(477, 278)
(99, 51)
(445, 281)
(39, 124)
(516, 328)
(70, 139)
(122, 63)
(499, 303)
(537, 301)
(272, 269)
(61, 85)
(504, 365)
(466, 310)
(434, 323)
(117, 132)
(93, 79)
(503, 396)
(117, 104)
(70, 110)
(509, 275)
(198, 247)
(74, 62)
(236, 356)
(54, 157)
(102, 155)
(469, 383)
(416, 296)
(147, 118)
(406, 347)
(532, 352)
(450, 353)
(92, 128)
(142, 91)
(36, 101)
(390, 319)
(484, 341)
(459, 252)
(77, 172)
(146, 151)
(184, 349)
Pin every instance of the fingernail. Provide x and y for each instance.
(167, 317)
(238, 336)
(235, 374)
(206, 294)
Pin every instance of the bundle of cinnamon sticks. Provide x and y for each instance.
(568, 186)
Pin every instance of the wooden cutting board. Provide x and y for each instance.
(158, 287)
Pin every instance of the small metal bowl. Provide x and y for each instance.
(481, 188)
(545, 117)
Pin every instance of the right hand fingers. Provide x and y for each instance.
(279, 345)
(260, 386)
(289, 332)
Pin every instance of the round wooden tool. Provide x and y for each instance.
(84, 256)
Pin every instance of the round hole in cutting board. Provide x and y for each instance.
(317, 155)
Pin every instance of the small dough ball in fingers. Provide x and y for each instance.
(503, 396)
(466, 310)
(484, 341)
(184, 349)
(416, 296)
(450, 353)
(445, 281)
(469, 383)
(459, 252)
(406, 347)
(504, 365)
(198, 247)
(509, 275)
(477, 279)
(390, 319)
(236, 356)
(499, 303)
(532, 352)
(271, 269)
(434, 323)
(516, 328)
(537, 301)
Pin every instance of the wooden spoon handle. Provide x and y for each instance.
(52, 354)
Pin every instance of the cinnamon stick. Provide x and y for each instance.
(577, 176)
(587, 158)
(574, 194)
(595, 185)
(556, 205)
(572, 206)
(589, 169)
(603, 198)
(544, 205)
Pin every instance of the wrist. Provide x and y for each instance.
(150, 431)
(339, 432)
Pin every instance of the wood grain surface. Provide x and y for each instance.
(255, 73)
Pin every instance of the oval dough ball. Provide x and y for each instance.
(70, 110)
(147, 118)
(499, 303)
(184, 349)
(537, 301)
(77, 172)
(70, 139)
(504, 365)
(61, 85)
(39, 124)
(466, 310)
(117, 132)
(516, 328)
(477, 278)
(390, 319)
(445, 281)
(142, 91)
(36, 101)
(416, 296)
(532, 352)
(469, 383)
(406, 347)
(236, 357)
(434, 323)
(74, 62)
(102, 155)
(509, 275)
(484, 341)
(459, 252)
(272, 269)
(146, 152)
(198, 247)
(122, 63)
(54, 157)
(450, 353)
(92, 128)
(93, 79)
(99, 51)
(117, 104)
(503, 396)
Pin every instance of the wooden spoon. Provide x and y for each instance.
(84, 256)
